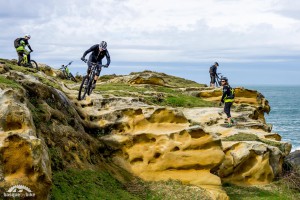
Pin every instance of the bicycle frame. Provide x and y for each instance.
(28, 63)
(25, 59)
(90, 79)
(219, 76)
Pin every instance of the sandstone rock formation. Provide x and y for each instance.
(43, 117)
(24, 158)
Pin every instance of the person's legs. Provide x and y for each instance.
(89, 63)
(20, 57)
(212, 80)
(28, 55)
(98, 70)
(227, 107)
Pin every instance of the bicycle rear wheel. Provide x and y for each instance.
(83, 89)
(72, 77)
(34, 65)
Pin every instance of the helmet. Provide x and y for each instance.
(224, 79)
(216, 63)
(28, 36)
(103, 45)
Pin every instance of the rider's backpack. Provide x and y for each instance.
(232, 93)
(17, 42)
(211, 69)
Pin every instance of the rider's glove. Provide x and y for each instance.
(82, 58)
(106, 66)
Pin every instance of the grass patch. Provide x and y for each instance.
(120, 87)
(242, 137)
(180, 100)
(269, 192)
(4, 82)
(251, 137)
(46, 81)
(87, 184)
(175, 190)
(157, 95)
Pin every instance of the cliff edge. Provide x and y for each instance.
(152, 125)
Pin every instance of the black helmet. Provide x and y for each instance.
(224, 79)
(103, 45)
(216, 63)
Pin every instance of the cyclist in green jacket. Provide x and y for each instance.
(23, 42)
(227, 98)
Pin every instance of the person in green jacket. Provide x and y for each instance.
(21, 50)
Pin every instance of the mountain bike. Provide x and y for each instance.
(86, 87)
(66, 72)
(31, 64)
(219, 76)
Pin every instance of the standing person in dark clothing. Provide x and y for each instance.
(213, 74)
(99, 51)
(20, 48)
(227, 98)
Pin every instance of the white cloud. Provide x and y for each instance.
(173, 31)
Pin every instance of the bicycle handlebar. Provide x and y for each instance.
(93, 63)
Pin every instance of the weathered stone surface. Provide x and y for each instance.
(155, 143)
(245, 100)
(24, 158)
(161, 145)
(294, 158)
(250, 163)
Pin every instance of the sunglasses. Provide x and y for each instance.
(223, 81)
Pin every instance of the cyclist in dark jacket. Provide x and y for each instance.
(23, 42)
(213, 74)
(99, 51)
(228, 99)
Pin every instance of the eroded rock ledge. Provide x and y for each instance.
(152, 142)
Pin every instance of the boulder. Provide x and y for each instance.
(24, 157)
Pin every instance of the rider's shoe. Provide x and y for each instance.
(229, 125)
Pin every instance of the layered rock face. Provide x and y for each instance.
(152, 142)
(157, 143)
(253, 154)
(24, 158)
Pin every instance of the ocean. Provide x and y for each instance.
(285, 111)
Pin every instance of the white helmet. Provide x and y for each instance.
(28, 36)
(103, 45)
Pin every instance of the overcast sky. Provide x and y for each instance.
(254, 41)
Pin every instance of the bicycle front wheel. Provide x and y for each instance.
(90, 84)
(83, 89)
(34, 65)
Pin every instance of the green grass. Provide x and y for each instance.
(269, 192)
(4, 82)
(180, 100)
(46, 81)
(169, 96)
(252, 137)
(120, 87)
(87, 184)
